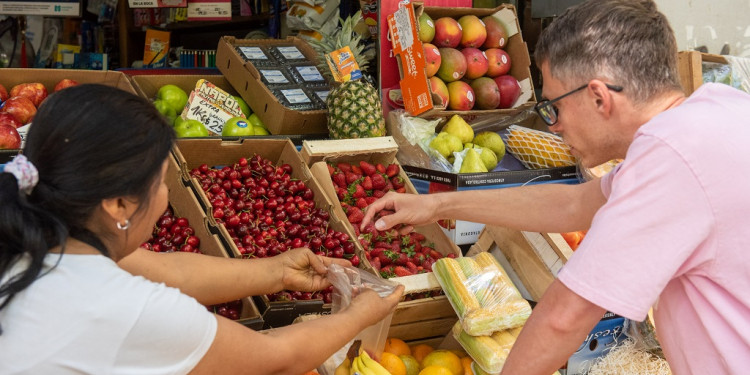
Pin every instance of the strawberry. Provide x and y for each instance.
(378, 181)
(355, 215)
(356, 169)
(380, 168)
(378, 193)
(451, 255)
(339, 179)
(388, 186)
(354, 260)
(351, 177)
(384, 259)
(375, 263)
(359, 191)
(361, 203)
(411, 267)
(367, 168)
(427, 264)
(387, 272)
(435, 255)
(346, 167)
(341, 193)
(418, 237)
(397, 182)
(330, 169)
(376, 251)
(401, 271)
(370, 200)
(392, 170)
(401, 190)
(401, 260)
(367, 183)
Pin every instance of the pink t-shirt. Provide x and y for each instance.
(675, 234)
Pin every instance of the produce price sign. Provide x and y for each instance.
(211, 105)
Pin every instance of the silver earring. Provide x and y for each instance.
(123, 226)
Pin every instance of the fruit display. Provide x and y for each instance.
(467, 55)
(480, 152)
(173, 233)
(481, 293)
(537, 149)
(390, 253)
(573, 239)
(266, 212)
(354, 107)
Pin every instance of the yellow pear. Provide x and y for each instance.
(488, 157)
(493, 141)
(446, 144)
(472, 162)
(460, 128)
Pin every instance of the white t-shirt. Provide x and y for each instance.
(88, 316)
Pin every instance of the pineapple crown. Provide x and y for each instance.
(343, 36)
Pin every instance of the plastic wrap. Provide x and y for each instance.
(347, 283)
(481, 293)
(419, 132)
(537, 149)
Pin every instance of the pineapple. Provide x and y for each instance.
(354, 109)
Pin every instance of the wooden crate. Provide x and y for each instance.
(690, 68)
(531, 259)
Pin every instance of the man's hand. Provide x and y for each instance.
(304, 271)
(409, 209)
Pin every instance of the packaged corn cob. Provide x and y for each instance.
(481, 293)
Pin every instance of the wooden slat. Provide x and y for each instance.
(423, 309)
(423, 329)
(558, 244)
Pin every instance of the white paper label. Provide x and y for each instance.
(322, 94)
(310, 74)
(253, 53)
(290, 53)
(295, 96)
(274, 76)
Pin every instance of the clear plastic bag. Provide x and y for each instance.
(347, 283)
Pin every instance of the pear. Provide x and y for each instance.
(472, 162)
(460, 128)
(493, 141)
(488, 157)
(446, 144)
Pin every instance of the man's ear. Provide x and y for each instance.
(117, 208)
(602, 97)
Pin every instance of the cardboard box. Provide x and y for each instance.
(246, 79)
(10, 77)
(184, 204)
(690, 68)
(413, 56)
(191, 153)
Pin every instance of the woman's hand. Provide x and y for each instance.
(304, 271)
(372, 308)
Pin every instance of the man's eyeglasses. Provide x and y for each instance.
(547, 110)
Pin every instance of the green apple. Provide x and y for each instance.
(190, 129)
(255, 121)
(173, 96)
(259, 130)
(165, 110)
(237, 126)
(243, 106)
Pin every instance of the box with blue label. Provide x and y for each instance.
(605, 336)
(428, 181)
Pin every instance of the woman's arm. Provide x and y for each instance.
(212, 280)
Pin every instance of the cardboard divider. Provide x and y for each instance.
(185, 204)
(191, 153)
(148, 85)
(246, 80)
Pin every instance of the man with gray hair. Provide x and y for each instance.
(666, 228)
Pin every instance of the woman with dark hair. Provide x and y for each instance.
(75, 206)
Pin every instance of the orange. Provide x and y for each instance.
(420, 351)
(393, 364)
(397, 347)
(412, 365)
(435, 370)
(466, 363)
(444, 358)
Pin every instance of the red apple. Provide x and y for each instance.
(65, 83)
(9, 138)
(21, 108)
(8, 119)
(510, 90)
(3, 94)
(36, 92)
(499, 62)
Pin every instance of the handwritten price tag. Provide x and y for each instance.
(211, 105)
